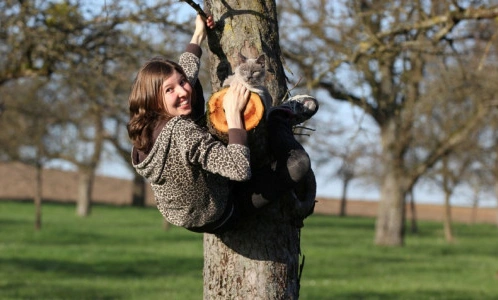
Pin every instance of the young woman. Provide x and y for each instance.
(198, 182)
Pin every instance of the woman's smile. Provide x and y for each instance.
(177, 93)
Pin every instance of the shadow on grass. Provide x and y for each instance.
(58, 279)
(143, 268)
(54, 291)
(410, 295)
(4, 223)
(321, 221)
(61, 237)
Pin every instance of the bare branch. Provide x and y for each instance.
(197, 8)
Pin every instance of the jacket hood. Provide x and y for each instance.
(151, 165)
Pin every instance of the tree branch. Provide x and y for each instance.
(448, 22)
(340, 94)
(455, 139)
(452, 17)
(197, 8)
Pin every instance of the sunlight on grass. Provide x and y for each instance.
(124, 253)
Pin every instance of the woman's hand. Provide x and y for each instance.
(234, 103)
(200, 29)
(209, 22)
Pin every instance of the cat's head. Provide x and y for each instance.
(251, 70)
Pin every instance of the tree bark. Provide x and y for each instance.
(389, 230)
(87, 169)
(447, 188)
(496, 196)
(496, 193)
(138, 193)
(475, 207)
(38, 196)
(495, 174)
(390, 227)
(448, 229)
(259, 259)
(413, 210)
(85, 185)
(342, 211)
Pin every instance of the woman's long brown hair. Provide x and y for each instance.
(145, 101)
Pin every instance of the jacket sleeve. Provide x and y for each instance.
(190, 62)
(200, 148)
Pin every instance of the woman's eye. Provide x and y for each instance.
(169, 90)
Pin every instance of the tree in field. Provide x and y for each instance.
(26, 136)
(492, 166)
(443, 108)
(451, 172)
(259, 260)
(89, 53)
(351, 169)
(488, 142)
(380, 56)
(346, 173)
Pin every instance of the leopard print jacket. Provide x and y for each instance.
(189, 170)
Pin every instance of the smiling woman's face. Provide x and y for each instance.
(177, 93)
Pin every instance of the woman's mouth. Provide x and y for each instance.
(184, 104)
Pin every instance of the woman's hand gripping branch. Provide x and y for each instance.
(200, 29)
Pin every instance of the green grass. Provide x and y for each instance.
(124, 253)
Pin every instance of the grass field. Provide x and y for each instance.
(124, 253)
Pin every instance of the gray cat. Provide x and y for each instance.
(251, 73)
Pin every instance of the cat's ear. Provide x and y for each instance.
(242, 58)
(261, 60)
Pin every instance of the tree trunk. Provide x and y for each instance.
(139, 186)
(166, 225)
(345, 184)
(496, 196)
(495, 176)
(389, 228)
(85, 185)
(475, 208)
(413, 210)
(87, 169)
(448, 230)
(476, 190)
(496, 212)
(259, 260)
(38, 197)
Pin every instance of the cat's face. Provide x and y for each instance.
(252, 70)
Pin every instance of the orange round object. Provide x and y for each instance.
(253, 112)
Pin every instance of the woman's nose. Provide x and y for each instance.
(181, 91)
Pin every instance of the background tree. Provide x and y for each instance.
(27, 124)
(413, 210)
(90, 54)
(346, 173)
(376, 55)
(493, 168)
(487, 157)
(440, 111)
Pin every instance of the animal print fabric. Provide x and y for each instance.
(190, 64)
(188, 169)
(189, 172)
